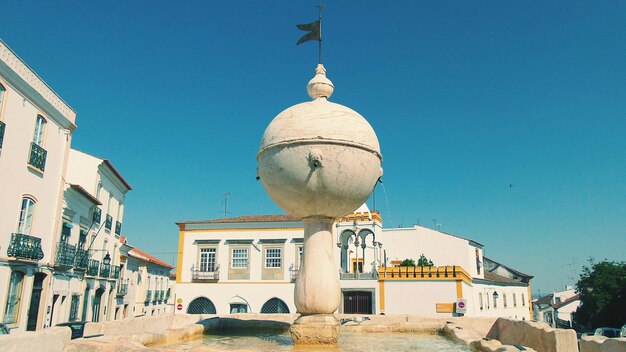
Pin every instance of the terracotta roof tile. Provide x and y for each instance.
(81, 190)
(139, 254)
(489, 276)
(567, 301)
(246, 218)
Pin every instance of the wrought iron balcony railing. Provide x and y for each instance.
(108, 222)
(97, 215)
(118, 228)
(25, 246)
(65, 255)
(123, 290)
(2, 128)
(148, 296)
(105, 270)
(93, 267)
(37, 156)
(358, 276)
(81, 260)
(206, 276)
(115, 273)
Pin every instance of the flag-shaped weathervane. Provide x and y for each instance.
(314, 30)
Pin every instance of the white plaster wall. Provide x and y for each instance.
(221, 294)
(410, 297)
(519, 311)
(441, 248)
(18, 179)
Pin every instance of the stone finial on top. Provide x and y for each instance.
(320, 86)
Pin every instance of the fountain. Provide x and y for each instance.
(318, 161)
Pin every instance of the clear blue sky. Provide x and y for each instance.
(466, 98)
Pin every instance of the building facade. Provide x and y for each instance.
(250, 264)
(36, 128)
(61, 215)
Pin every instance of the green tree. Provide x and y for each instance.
(423, 261)
(602, 290)
(407, 262)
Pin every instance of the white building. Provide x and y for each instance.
(88, 260)
(35, 134)
(145, 283)
(557, 308)
(250, 263)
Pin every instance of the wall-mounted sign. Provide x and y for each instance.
(445, 307)
(180, 300)
(179, 306)
(461, 306)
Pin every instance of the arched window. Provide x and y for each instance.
(274, 305)
(201, 305)
(14, 295)
(40, 127)
(26, 216)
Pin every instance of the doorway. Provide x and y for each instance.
(95, 307)
(357, 302)
(35, 300)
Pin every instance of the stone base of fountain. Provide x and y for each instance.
(315, 329)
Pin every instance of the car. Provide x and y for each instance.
(607, 332)
(78, 328)
(3, 329)
(623, 332)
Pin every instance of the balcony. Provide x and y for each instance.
(358, 276)
(2, 128)
(37, 157)
(167, 295)
(25, 247)
(115, 273)
(123, 290)
(97, 215)
(105, 270)
(148, 296)
(81, 260)
(118, 228)
(205, 276)
(93, 267)
(65, 255)
(108, 223)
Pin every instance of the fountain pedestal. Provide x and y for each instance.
(317, 294)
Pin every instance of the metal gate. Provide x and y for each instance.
(357, 302)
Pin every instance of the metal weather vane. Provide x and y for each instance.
(315, 31)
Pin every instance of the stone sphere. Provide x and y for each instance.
(319, 158)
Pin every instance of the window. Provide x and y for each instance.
(300, 253)
(515, 300)
(66, 231)
(273, 257)
(74, 308)
(2, 90)
(2, 124)
(523, 301)
(240, 258)
(274, 306)
(495, 302)
(98, 190)
(207, 260)
(40, 127)
(480, 300)
(478, 263)
(26, 216)
(238, 308)
(13, 297)
(504, 299)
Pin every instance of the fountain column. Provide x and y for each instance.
(318, 161)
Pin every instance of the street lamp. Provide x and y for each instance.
(107, 259)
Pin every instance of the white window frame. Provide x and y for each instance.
(206, 266)
(40, 130)
(273, 259)
(27, 210)
(241, 257)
